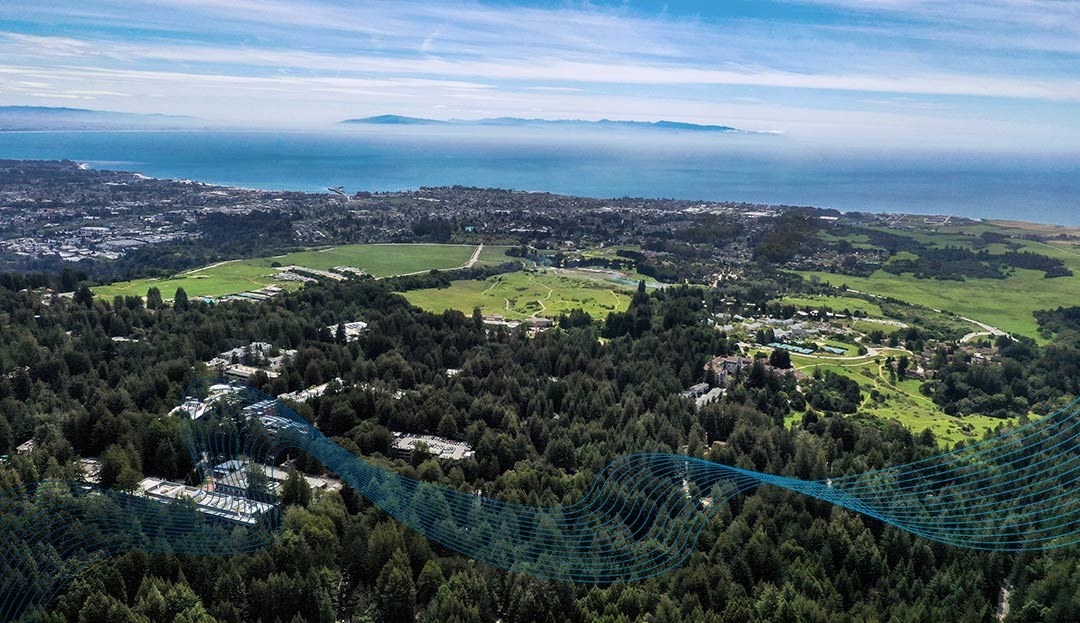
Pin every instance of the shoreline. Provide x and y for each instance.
(1046, 228)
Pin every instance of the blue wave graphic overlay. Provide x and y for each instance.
(641, 516)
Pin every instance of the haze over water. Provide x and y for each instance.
(751, 168)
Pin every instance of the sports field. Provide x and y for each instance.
(523, 294)
(380, 260)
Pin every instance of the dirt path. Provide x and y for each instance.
(198, 270)
(540, 302)
(498, 280)
(475, 256)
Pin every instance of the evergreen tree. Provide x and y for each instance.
(296, 489)
(84, 297)
(780, 359)
(180, 300)
(395, 591)
(153, 298)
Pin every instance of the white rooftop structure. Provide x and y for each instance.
(232, 475)
(307, 394)
(243, 372)
(352, 329)
(195, 408)
(439, 447)
(230, 508)
(712, 395)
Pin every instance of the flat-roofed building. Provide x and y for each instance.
(696, 390)
(216, 504)
(235, 478)
(242, 372)
(404, 445)
(352, 329)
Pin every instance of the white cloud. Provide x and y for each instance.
(456, 72)
(429, 42)
(963, 65)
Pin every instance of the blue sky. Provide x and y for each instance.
(992, 74)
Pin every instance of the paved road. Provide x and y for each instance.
(987, 331)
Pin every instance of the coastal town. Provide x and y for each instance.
(63, 214)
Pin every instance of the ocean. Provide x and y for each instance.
(644, 163)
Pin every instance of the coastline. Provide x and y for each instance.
(1034, 227)
(391, 161)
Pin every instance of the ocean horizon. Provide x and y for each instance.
(751, 169)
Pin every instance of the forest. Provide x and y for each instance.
(543, 413)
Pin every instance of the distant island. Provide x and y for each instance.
(521, 122)
(31, 118)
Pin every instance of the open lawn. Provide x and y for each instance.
(611, 252)
(1003, 303)
(520, 295)
(863, 326)
(219, 280)
(381, 260)
(493, 255)
(835, 303)
(901, 399)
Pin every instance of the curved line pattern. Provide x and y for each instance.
(641, 516)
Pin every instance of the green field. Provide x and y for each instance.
(835, 303)
(863, 326)
(901, 400)
(1004, 303)
(523, 294)
(229, 278)
(493, 255)
(381, 260)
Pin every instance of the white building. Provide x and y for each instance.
(405, 443)
(234, 509)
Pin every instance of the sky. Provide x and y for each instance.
(998, 75)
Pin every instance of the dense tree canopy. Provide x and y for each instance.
(543, 414)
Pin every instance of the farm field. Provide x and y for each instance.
(523, 294)
(381, 260)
